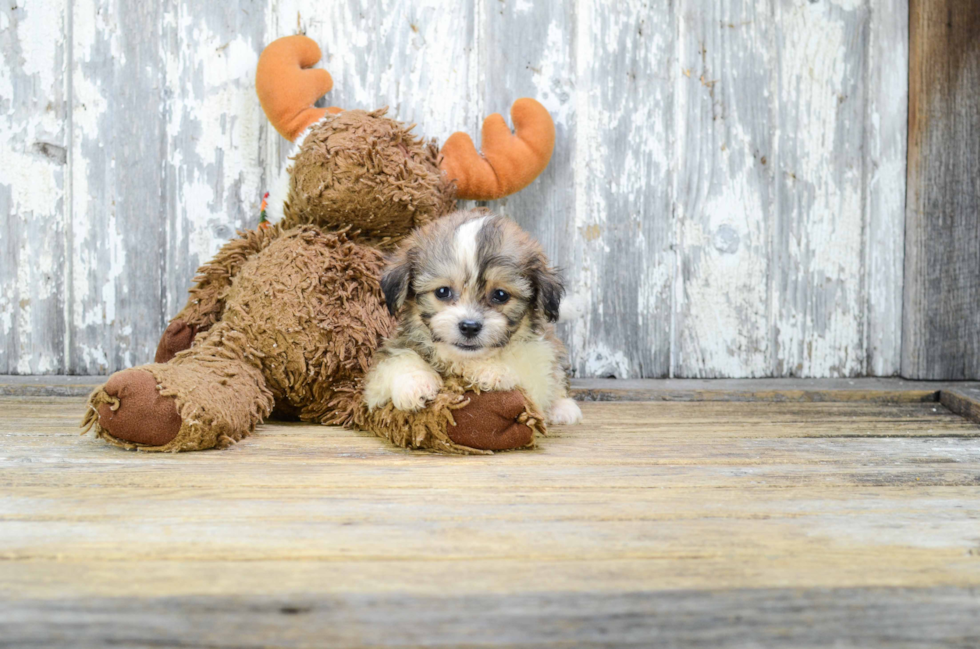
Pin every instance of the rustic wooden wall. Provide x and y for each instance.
(942, 253)
(726, 195)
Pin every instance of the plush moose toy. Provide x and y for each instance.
(286, 318)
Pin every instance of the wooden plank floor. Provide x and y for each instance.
(653, 524)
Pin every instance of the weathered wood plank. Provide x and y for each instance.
(119, 212)
(963, 400)
(885, 145)
(818, 278)
(667, 524)
(879, 390)
(621, 267)
(724, 208)
(916, 618)
(33, 186)
(645, 255)
(941, 330)
(215, 133)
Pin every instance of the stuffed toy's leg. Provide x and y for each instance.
(208, 396)
(299, 325)
(206, 302)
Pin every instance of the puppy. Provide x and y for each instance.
(475, 298)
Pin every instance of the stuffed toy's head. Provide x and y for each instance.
(362, 170)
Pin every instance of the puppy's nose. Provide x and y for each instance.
(470, 328)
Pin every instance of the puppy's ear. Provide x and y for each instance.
(550, 289)
(396, 280)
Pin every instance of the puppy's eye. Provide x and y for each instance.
(443, 293)
(499, 296)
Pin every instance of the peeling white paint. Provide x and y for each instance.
(820, 194)
(32, 177)
(40, 37)
(663, 209)
(599, 360)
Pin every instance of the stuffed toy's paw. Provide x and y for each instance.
(177, 337)
(183, 405)
(492, 421)
(129, 408)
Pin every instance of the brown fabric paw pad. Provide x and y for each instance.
(492, 421)
(135, 411)
(177, 337)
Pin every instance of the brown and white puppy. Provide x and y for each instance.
(475, 298)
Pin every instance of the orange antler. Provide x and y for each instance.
(510, 161)
(287, 86)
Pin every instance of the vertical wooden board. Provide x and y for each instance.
(215, 132)
(724, 207)
(818, 279)
(621, 265)
(33, 200)
(886, 134)
(119, 217)
(941, 321)
(416, 58)
(528, 50)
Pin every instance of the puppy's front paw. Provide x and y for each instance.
(564, 412)
(490, 379)
(412, 390)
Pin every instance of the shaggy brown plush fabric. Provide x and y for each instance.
(367, 172)
(300, 323)
(206, 299)
(459, 421)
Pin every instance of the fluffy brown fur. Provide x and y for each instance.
(365, 171)
(299, 336)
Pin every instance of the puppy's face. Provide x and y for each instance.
(468, 283)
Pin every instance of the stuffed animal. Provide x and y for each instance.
(286, 318)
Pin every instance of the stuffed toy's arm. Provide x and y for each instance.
(206, 301)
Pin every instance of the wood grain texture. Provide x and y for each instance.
(941, 330)
(33, 186)
(919, 618)
(214, 172)
(724, 196)
(885, 155)
(880, 390)
(118, 213)
(724, 205)
(963, 400)
(621, 270)
(673, 524)
(818, 290)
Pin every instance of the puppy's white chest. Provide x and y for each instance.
(492, 375)
(527, 365)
